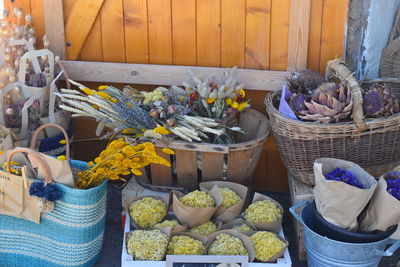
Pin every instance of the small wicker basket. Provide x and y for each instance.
(200, 162)
(374, 144)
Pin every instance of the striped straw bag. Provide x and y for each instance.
(69, 235)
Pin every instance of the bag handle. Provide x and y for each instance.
(38, 130)
(27, 44)
(33, 55)
(34, 158)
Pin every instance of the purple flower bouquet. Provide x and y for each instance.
(342, 175)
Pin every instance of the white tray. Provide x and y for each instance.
(127, 260)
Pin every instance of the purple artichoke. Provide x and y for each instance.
(297, 103)
(342, 175)
(380, 101)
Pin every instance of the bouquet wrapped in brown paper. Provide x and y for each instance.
(172, 223)
(384, 208)
(233, 198)
(230, 242)
(206, 228)
(264, 213)
(337, 201)
(193, 216)
(187, 244)
(268, 246)
(146, 211)
(240, 225)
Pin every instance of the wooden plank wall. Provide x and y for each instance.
(223, 33)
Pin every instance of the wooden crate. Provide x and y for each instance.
(201, 162)
(299, 191)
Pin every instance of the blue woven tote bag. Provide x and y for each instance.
(69, 235)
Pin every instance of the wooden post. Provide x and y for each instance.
(299, 26)
(54, 25)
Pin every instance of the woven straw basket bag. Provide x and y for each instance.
(69, 235)
(374, 144)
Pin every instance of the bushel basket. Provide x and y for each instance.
(374, 144)
(201, 162)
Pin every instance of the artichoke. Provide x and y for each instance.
(297, 103)
(330, 102)
(380, 101)
(305, 82)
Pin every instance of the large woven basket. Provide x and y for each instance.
(374, 144)
(197, 162)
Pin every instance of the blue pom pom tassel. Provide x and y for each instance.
(49, 192)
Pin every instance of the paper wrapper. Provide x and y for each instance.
(336, 201)
(174, 230)
(237, 222)
(383, 211)
(268, 226)
(278, 254)
(8, 142)
(224, 214)
(201, 238)
(244, 238)
(127, 202)
(194, 216)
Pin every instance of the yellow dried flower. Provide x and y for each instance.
(235, 105)
(161, 130)
(198, 199)
(225, 244)
(102, 87)
(62, 142)
(204, 229)
(147, 244)
(169, 151)
(167, 223)
(228, 101)
(185, 245)
(148, 211)
(242, 106)
(229, 197)
(88, 91)
(104, 95)
(14, 167)
(266, 245)
(262, 211)
(242, 228)
(62, 157)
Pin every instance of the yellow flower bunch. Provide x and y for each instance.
(229, 197)
(161, 130)
(266, 245)
(185, 245)
(14, 168)
(204, 229)
(225, 244)
(119, 158)
(242, 228)
(167, 223)
(147, 245)
(262, 211)
(147, 211)
(150, 97)
(198, 199)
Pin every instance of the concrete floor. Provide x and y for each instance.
(113, 234)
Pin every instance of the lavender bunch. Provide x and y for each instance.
(342, 175)
(393, 184)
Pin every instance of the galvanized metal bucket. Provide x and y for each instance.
(322, 251)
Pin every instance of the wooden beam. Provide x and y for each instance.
(299, 26)
(166, 74)
(54, 25)
(79, 23)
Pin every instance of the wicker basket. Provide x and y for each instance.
(199, 162)
(374, 144)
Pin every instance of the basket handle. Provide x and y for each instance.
(337, 68)
(35, 158)
(38, 130)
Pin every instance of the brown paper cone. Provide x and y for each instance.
(244, 238)
(278, 254)
(336, 201)
(383, 210)
(237, 222)
(194, 216)
(127, 202)
(224, 214)
(267, 226)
